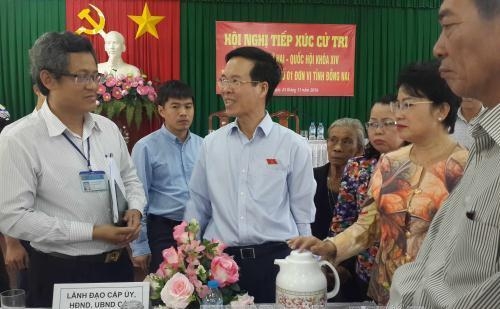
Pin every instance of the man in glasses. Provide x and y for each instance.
(50, 160)
(253, 186)
(458, 263)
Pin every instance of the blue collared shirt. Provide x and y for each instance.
(247, 192)
(164, 165)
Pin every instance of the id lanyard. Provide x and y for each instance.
(79, 151)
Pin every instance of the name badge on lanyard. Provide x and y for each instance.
(91, 181)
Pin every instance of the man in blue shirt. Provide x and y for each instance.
(164, 160)
(253, 186)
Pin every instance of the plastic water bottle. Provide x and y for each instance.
(321, 131)
(312, 131)
(213, 300)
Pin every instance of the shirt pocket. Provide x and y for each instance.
(267, 183)
(476, 255)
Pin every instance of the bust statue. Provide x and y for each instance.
(114, 45)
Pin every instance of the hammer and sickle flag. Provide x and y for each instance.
(97, 27)
(156, 56)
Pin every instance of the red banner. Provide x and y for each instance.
(150, 28)
(318, 59)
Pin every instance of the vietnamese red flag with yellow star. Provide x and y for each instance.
(150, 28)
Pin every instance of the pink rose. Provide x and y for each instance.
(180, 234)
(224, 269)
(177, 292)
(170, 257)
(117, 93)
(152, 96)
(142, 90)
(110, 82)
(101, 89)
(106, 97)
(242, 301)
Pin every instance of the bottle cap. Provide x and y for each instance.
(213, 284)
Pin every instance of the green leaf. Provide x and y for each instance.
(114, 108)
(129, 113)
(138, 116)
(150, 109)
(211, 246)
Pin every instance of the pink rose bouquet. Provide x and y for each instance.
(131, 94)
(181, 279)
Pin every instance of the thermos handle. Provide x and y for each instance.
(336, 287)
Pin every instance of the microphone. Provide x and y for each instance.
(470, 214)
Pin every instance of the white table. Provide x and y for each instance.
(318, 152)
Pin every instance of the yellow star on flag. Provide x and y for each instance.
(146, 22)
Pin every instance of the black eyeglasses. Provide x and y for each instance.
(373, 125)
(85, 78)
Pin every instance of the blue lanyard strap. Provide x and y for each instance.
(79, 151)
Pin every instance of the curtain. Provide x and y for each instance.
(21, 23)
(390, 34)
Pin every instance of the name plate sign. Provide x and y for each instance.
(101, 295)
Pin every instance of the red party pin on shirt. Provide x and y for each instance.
(271, 161)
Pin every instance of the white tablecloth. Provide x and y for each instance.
(318, 152)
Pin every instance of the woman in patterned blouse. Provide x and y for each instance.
(409, 185)
(382, 137)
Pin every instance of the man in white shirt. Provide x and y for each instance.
(266, 192)
(469, 110)
(49, 160)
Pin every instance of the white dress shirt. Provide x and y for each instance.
(40, 193)
(248, 192)
(462, 129)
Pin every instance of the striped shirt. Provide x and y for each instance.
(40, 193)
(458, 264)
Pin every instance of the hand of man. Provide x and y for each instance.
(325, 249)
(142, 262)
(133, 219)
(16, 257)
(120, 236)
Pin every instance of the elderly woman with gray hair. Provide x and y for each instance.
(345, 140)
